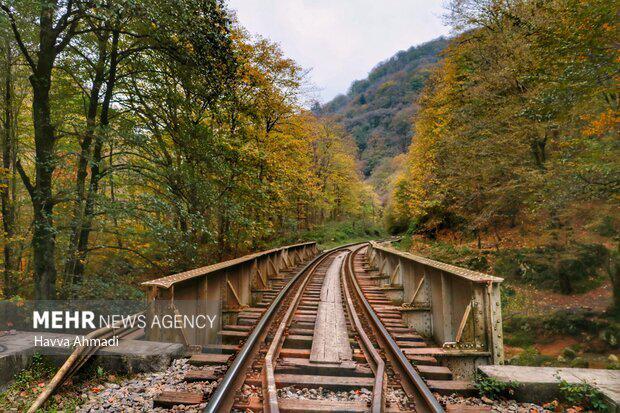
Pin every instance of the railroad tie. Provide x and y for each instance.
(330, 342)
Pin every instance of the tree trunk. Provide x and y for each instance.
(44, 235)
(55, 31)
(538, 147)
(614, 273)
(563, 268)
(74, 264)
(96, 172)
(7, 185)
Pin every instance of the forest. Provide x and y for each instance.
(145, 138)
(518, 127)
(513, 170)
(142, 138)
(378, 111)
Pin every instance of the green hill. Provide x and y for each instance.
(378, 110)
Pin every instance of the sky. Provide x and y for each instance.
(341, 40)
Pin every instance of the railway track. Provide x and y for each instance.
(323, 337)
(224, 362)
(412, 354)
(321, 345)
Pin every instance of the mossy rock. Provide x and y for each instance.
(569, 353)
(580, 362)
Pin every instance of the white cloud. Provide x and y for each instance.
(341, 40)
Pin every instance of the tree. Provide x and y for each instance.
(56, 27)
(116, 38)
(8, 182)
(165, 137)
(518, 123)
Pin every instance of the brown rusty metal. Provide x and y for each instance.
(223, 289)
(378, 395)
(223, 397)
(270, 393)
(413, 383)
(167, 282)
(459, 308)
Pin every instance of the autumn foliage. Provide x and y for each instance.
(518, 127)
(141, 138)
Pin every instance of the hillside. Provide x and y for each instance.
(377, 110)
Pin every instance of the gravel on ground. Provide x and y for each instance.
(136, 394)
(497, 406)
(292, 392)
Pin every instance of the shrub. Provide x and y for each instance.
(573, 268)
(607, 227)
(530, 357)
(477, 263)
(583, 394)
(493, 388)
(39, 369)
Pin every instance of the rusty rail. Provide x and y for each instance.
(423, 397)
(378, 396)
(269, 381)
(222, 398)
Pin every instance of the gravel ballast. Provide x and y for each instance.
(137, 394)
(497, 406)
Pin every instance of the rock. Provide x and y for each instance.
(612, 359)
(569, 353)
(580, 362)
(486, 400)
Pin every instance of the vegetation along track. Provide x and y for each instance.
(320, 346)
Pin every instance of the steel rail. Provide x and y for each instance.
(425, 395)
(218, 401)
(268, 377)
(378, 394)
